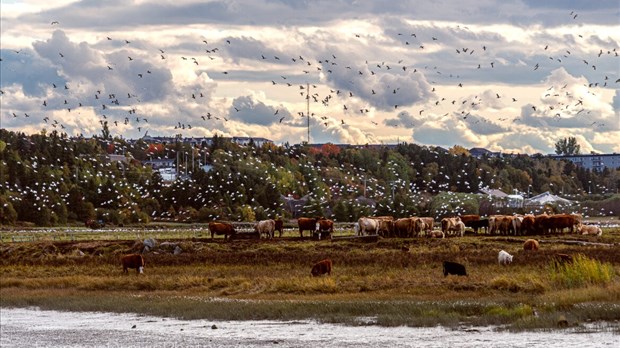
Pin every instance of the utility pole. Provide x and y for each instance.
(308, 108)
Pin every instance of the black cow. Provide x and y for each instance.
(453, 268)
(479, 224)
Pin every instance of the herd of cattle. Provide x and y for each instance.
(387, 226)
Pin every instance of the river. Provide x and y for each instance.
(31, 327)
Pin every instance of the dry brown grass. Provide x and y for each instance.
(269, 272)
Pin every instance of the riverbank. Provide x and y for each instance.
(391, 282)
(33, 327)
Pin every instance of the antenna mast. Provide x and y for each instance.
(308, 108)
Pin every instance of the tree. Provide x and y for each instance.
(567, 146)
(105, 131)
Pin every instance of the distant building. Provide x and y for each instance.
(159, 163)
(545, 198)
(500, 199)
(597, 162)
(480, 152)
(206, 141)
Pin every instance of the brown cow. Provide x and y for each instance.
(133, 261)
(427, 226)
(449, 225)
(467, 219)
(386, 227)
(527, 225)
(541, 224)
(531, 245)
(324, 225)
(306, 224)
(501, 224)
(322, 267)
(220, 228)
(404, 227)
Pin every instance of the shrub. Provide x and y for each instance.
(582, 271)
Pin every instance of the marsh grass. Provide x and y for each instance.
(580, 272)
(371, 283)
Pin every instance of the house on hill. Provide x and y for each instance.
(500, 199)
(546, 198)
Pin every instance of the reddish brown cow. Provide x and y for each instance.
(557, 223)
(306, 224)
(322, 267)
(541, 224)
(324, 226)
(133, 261)
(468, 219)
(531, 245)
(220, 228)
(404, 227)
(527, 225)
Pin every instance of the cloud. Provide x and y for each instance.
(347, 47)
(248, 110)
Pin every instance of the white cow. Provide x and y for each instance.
(266, 227)
(504, 258)
(367, 226)
(590, 229)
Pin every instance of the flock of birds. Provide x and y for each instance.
(121, 109)
(320, 184)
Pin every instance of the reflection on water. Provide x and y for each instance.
(34, 328)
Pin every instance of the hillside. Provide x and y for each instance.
(50, 179)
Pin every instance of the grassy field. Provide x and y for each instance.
(377, 283)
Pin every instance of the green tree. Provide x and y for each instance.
(567, 146)
(105, 131)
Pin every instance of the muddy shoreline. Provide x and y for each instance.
(36, 328)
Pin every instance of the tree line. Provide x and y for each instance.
(52, 179)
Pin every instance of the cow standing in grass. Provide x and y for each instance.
(220, 228)
(453, 268)
(266, 227)
(504, 258)
(279, 226)
(306, 224)
(531, 245)
(133, 261)
(322, 267)
(324, 226)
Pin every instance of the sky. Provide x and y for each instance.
(510, 76)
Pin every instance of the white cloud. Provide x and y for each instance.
(346, 49)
